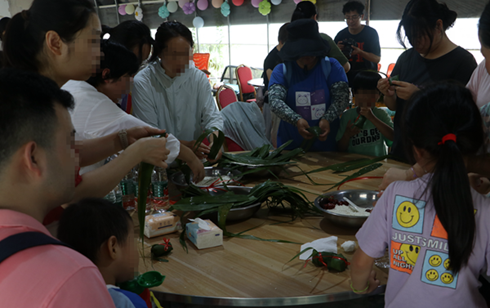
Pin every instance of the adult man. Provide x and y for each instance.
(273, 57)
(363, 50)
(37, 173)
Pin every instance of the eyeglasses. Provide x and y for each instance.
(353, 17)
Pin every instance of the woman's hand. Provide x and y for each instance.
(151, 150)
(138, 132)
(201, 152)
(404, 90)
(325, 127)
(303, 126)
(197, 169)
(385, 87)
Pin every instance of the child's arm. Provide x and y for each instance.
(363, 277)
(384, 128)
(350, 131)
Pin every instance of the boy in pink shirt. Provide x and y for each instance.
(37, 172)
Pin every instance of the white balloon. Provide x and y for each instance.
(198, 22)
(276, 2)
(172, 7)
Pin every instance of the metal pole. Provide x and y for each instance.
(96, 8)
(229, 40)
(268, 39)
(368, 18)
(117, 11)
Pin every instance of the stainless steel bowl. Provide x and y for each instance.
(239, 213)
(362, 198)
(178, 178)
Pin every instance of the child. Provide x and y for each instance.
(436, 226)
(104, 233)
(369, 138)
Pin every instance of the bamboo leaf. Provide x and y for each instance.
(358, 174)
(300, 253)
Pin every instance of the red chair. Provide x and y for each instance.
(225, 96)
(201, 60)
(243, 75)
(390, 69)
(231, 146)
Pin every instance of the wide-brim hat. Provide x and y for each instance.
(303, 40)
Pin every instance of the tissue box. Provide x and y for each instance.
(161, 223)
(204, 238)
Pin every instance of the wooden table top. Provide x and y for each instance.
(244, 268)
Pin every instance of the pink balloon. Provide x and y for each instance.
(182, 2)
(297, 1)
(122, 9)
(202, 4)
(255, 3)
(237, 2)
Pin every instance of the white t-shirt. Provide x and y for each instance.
(479, 85)
(95, 115)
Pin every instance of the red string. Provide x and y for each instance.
(323, 262)
(360, 178)
(166, 243)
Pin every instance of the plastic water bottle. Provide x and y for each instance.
(159, 186)
(115, 196)
(128, 191)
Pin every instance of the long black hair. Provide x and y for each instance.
(420, 18)
(484, 26)
(131, 34)
(167, 31)
(118, 59)
(432, 113)
(25, 35)
(304, 10)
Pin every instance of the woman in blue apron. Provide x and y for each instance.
(308, 89)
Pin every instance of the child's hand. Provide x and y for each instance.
(373, 282)
(385, 87)
(351, 130)
(404, 90)
(479, 183)
(367, 112)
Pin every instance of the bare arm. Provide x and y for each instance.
(362, 275)
(269, 74)
(346, 67)
(193, 162)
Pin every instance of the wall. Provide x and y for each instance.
(17, 6)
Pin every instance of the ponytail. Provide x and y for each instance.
(19, 47)
(304, 10)
(433, 114)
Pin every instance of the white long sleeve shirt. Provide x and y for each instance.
(183, 105)
(95, 115)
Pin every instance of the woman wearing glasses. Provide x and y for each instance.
(360, 43)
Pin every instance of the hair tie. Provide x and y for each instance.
(448, 137)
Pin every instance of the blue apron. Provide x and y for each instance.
(309, 96)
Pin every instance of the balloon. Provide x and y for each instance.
(264, 7)
(122, 9)
(276, 2)
(163, 12)
(198, 22)
(172, 7)
(182, 3)
(138, 14)
(189, 8)
(237, 2)
(129, 9)
(217, 3)
(225, 9)
(255, 3)
(297, 1)
(202, 4)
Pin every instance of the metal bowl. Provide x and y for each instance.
(362, 198)
(239, 213)
(178, 178)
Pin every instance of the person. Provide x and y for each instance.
(104, 233)
(37, 167)
(479, 83)
(308, 89)
(96, 113)
(376, 133)
(59, 39)
(433, 57)
(359, 42)
(172, 94)
(273, 58)
(306, 9)
(422, 222)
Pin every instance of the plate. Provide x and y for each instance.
(178, 178)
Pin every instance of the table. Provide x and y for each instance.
(256, 82)
(254, 273)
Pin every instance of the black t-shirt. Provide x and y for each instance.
(270, 62)
(367, 40)
(411, 67)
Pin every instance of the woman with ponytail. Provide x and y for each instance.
(435, 227)
(432, 58)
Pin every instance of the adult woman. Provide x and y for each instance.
(60, 40)
(308, 89)
(171, 93)
(433, 57)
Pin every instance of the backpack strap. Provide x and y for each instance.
(288, 72)
(326, 67)
(25, 240)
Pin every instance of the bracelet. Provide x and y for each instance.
(123, 138)
(414, 174)
(356, 291)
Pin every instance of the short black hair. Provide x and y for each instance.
(118, 59)
(365, 80)
(167, 31)
(27, 104)
(283, 33)
(3, 24)
(89, 223)
(353, 6)
(484, 26)
(131, 34)
(304, 10)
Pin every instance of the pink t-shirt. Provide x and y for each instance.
(479, 85)
(47, 276)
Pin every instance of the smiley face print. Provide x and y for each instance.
(408, 214)
(435, 260)
(447, 264)
(447, 278)
(432, 275)
(410, 253)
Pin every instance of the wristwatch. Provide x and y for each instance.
(123, 138)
